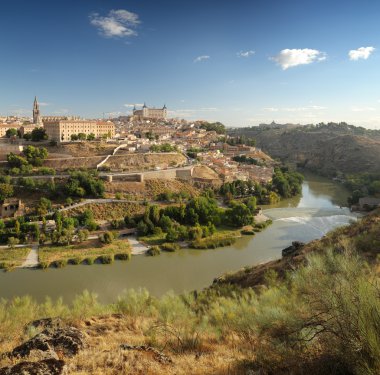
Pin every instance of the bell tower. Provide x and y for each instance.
(36, 113)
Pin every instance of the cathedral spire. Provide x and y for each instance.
(36, 113)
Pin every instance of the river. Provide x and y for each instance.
(304, 218)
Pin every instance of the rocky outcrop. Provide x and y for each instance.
(160, 357)
(45, 367)
(293, 249)
(53, 343)
(68, 341)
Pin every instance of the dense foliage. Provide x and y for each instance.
(82, 184)
(218, 127)
(165, 147)
(287, 183)
(362, 185)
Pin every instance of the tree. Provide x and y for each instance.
(35, 155)
(16, 161)
(12, 132)
(107, 237)
(82, 136)
(83, 235)
(6, 191)
(74, 137)
(91, 137)
(165, 223)
(38, 134)
(44, 206)
(84, 183)
(239, 215)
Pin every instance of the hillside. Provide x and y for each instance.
(327, 150)
(317, 314)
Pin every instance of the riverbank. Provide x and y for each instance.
(219, 329)
(305, 218)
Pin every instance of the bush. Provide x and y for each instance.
(59, 263)
(43, 265)
(170, 247)
(75, 261)
(153, 251)
(106, 259)
(248, 232)
(89, 261)
(212, 243)
(107, 237)
(123, 256)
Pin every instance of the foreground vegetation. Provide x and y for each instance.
(320, 318)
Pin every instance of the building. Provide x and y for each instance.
(62, 130)
(12, 208)
(5, 127)
(60, 118)
(37, 120)
(150, 113)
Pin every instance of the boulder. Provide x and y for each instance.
(293, 249)
(45, 367)
(68, 341)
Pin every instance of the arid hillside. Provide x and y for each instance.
(325, 151)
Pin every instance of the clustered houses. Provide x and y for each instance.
(230, 170)
(148, 127)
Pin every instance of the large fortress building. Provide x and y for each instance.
(150, 113)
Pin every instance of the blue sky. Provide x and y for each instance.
(242, 62)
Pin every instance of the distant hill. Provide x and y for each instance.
(325, 148)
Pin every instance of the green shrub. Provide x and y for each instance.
(75, 261)
(248, 232)
(43, 265)
(212, 243)
(170, 247)
(89, 261)
(106, 259)
(59, 263)
(123, 256)
(154, 251)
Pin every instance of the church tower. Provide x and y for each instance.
(36, 113)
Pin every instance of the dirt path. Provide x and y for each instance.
(137, 247)
(31, 260)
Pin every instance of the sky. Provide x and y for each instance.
(241, 62)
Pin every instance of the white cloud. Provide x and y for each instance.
(360, 53)
(118, 23)
(271, 109)
(295, 109)
(133, 105)
(245, 53)
(289, 58)
(201, 58)
(363, 109)
(43, 104)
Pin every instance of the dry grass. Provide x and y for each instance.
(10, 258)
(151, 188)
(104, 356)
(92, 249)
(109, 211)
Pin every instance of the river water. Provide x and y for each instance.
(303, 218)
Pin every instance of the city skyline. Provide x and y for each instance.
(240, 63)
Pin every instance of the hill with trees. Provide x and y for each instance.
(328, 149)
